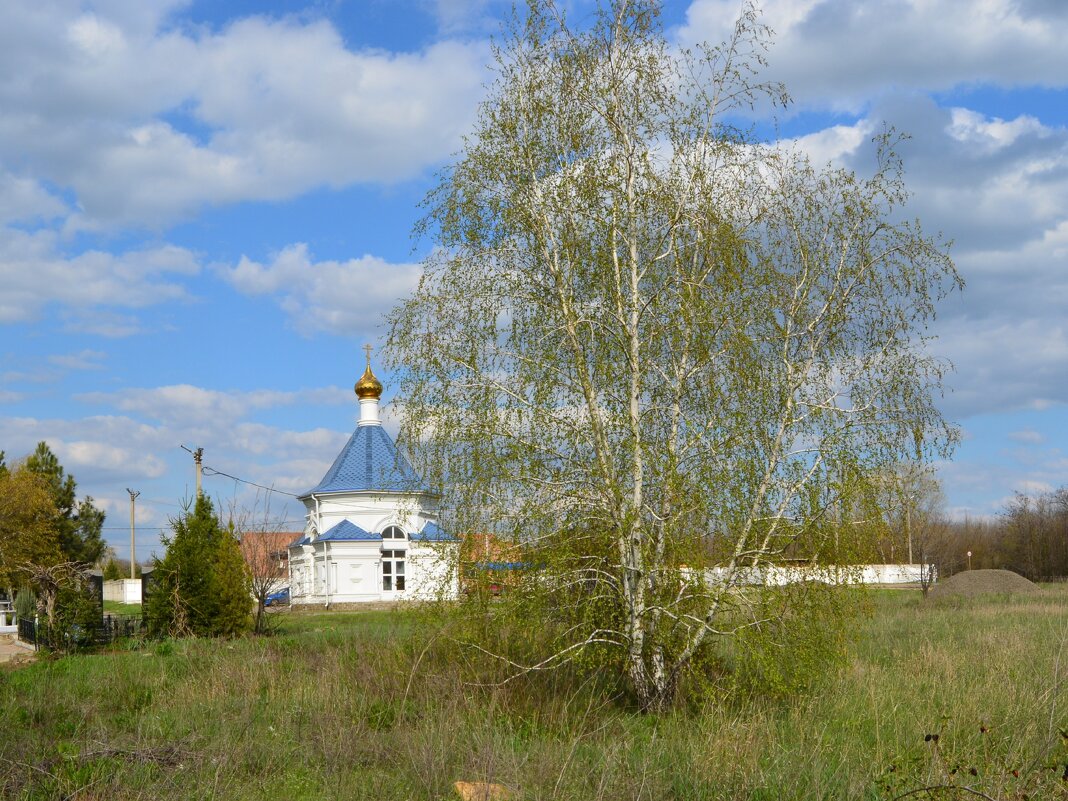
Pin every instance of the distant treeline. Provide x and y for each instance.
(1030, 538)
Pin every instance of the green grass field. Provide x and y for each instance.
(365, 706)
(117, 608)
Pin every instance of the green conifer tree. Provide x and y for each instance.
(201, 586)
(80, 523)
(183, 598)
(233, 587)
(112, 572)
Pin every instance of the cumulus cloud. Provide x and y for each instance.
(107, 453)
(147, 122)
(94, 449)
(985, 486)
(461, 16)
(83, 360)
(1027, 436)
(106, 457)
(1003, 365)
(101, 323)
(840, 53)
(35, 271)
(184, 405)
(337, 296)
(24, 199)
(999, 189)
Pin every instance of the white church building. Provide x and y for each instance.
(372, 530)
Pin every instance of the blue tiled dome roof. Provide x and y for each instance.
(369, 461)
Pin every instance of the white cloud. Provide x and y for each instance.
(1004, 364)
(23, 199)
(99, 447)
(462, 16)
(148, 122)
(341, 297)
(106, 457)
(35, 272)
(97, 38)
(185, 406)
(107, 450)
(999, 189)
(841, 53)
(35, 376)
(1031, 487)
(988, 485)
(84, 360)
(100, 322)
(108, 453)
(1028, 436)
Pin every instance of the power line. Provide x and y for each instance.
(127, 528)
(158, 502)
(211, 471)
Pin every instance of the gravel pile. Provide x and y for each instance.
(982, 582)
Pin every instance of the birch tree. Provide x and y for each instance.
(654, 352)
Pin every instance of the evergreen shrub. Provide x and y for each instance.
(201, 586)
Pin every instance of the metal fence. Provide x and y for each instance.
(28, 631)
(111, 628)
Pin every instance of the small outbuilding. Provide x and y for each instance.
(372, 531)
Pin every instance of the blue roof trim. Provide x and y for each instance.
(501, 565)
(346, 530)
(432, 532)
(303, 539)
(370, 461)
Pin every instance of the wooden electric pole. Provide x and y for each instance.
(133, 552)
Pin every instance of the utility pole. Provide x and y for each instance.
(133, 556)
(198, 456)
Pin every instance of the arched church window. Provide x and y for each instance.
(393, 533)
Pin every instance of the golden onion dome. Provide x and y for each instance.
(368, 386)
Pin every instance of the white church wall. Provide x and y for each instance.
(351, 572)
(335, 572)
(433, 572)
(356, 578)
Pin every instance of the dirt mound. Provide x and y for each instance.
(982, 582)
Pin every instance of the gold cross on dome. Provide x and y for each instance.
(367, 350)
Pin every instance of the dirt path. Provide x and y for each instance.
(10, 650)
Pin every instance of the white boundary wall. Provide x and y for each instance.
(125, 591)
(780, 575)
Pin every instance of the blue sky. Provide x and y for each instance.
(205, 211)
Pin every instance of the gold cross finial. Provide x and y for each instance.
(368, 386)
